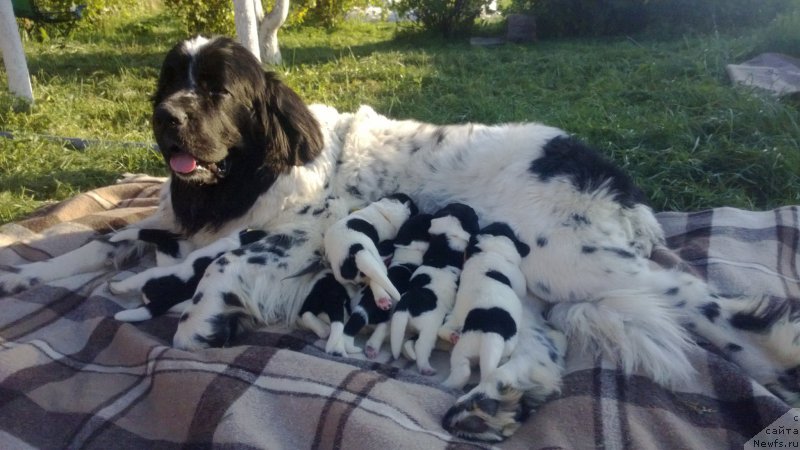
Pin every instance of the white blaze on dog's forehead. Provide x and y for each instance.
(193, 47)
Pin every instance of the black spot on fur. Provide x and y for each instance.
(465, 215)
(544, 288)
(580, 220)
(258, 260)
(354, 191)
(622, 253)
(731, 347)
(232, 300)
(165, 241)
(762, 318)
(414, 229)
(304, 210)
(439, 254)
(541, 241)
(318, 211)
(586, 169)
(439, 135)
(327, 296)
(222, 261)
(349, 270)
(166, 292)
(405, 199)
(418, 299)
(184, 317)
(491, 320)
(588, 249)
(710, 310)
(224, 328)
(365, 228)
(197, 297)
(495, 275)
(672, 291)
(250, 236)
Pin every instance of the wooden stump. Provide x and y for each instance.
(521, 28)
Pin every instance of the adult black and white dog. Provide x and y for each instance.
(246, 152)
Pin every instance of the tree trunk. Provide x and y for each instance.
(246, 20)
(268, 32)
(19, 80)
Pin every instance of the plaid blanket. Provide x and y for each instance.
(71, 376)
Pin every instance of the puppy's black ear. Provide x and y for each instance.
(522, 247)
(293, 133)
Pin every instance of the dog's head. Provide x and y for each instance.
(221, 120)
(490, 412)
(500, 238)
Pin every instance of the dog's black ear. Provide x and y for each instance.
(522, 247)
(293, 132)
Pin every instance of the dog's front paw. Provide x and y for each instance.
(371, 352)
(128, 234)
(13, 283)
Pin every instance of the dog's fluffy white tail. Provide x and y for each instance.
(376, 271)
(636, 329)
(397, 331)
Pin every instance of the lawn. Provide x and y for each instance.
(660, 107)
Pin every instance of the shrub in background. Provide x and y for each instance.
(558, 18)
(216, 16)
(448, 17)
(92, 17)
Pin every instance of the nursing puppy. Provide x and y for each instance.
(495, 408)
(351, 245)
(432, 289)
(409, 248)
(486, 317)
(330, 298)
(164, 287)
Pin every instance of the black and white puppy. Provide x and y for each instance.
(432, 289)
(409, 248)
(164, 287)
(352, 243)
(486, 317)
(330, 298)
(495, 408)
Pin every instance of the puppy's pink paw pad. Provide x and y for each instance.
(371, 352)
(384, 303)
(454, 338)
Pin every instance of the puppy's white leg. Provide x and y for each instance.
(424, 347)
(491, 352)
(315, 324)
(335, 345)
(397, 331)
(460, 364)
(374, 343)
(350, 345)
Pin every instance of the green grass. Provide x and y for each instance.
(663, 109)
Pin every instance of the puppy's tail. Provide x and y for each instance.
(376, 271)
(397, 329)
(635, 328)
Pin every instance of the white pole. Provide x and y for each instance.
(244, 12)
(19, 80)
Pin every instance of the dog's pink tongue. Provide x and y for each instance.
(182, 163)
